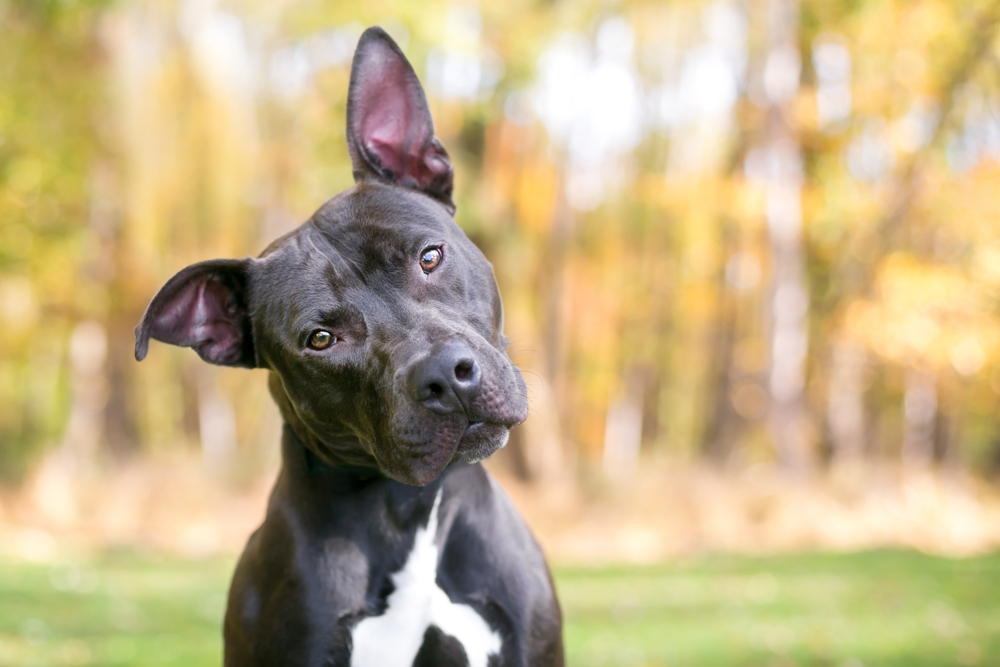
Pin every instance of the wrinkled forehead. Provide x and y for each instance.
(365, 230)
(373, 220)
(365, 239)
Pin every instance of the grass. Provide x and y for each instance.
(872, 609)
(876, 608)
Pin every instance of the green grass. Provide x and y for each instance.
(872, 609)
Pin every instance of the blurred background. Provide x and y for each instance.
(750, 262)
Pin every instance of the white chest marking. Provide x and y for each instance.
(394, 638)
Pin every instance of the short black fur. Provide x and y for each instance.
(382, 421)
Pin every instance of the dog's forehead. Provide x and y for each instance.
(366, 230)
(372, 214)
(361, 247)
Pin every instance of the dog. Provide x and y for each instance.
(385, 543)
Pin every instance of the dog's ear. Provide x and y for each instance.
(203, 307)
(390, 133)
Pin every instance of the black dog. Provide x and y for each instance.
(385, 544)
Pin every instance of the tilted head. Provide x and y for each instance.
(380, 321)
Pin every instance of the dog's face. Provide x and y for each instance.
(380, 321)
(366, 307)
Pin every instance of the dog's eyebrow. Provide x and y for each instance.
(334, 253)
(340, 315)
(330, 273)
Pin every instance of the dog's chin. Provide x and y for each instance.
(478, 442)
(481, 440)
(418, 472)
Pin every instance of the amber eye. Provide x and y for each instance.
(320, 340)
(429, 259)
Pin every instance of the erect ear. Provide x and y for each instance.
(390, 133)
(203, 307)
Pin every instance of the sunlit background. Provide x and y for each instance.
(750, 262)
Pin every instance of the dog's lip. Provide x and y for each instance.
(507, 421)
(478, 425)
(475, 426)
(476, 431)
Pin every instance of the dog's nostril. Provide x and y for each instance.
(446, 380)
(463, 371)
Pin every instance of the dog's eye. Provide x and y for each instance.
(429, 259)
(320, 340)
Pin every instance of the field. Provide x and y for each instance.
(842, 610)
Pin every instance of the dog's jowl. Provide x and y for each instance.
(385, 543)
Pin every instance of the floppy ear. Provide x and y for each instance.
(203, 307)
(390, 133)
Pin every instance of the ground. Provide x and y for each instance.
(843, 610)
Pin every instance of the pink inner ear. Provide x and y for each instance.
(394, 132)
(202, 316)
(385, 142)
(395, 126)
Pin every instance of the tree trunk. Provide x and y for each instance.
(845, 407)
(920, 407)
(789, 302)
(722, 422)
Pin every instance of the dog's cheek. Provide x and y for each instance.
(504, 395)
(516, 389)
(521, 390)
(372, 418)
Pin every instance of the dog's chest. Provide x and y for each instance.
(420, 620)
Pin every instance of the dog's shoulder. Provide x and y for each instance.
(515, 593)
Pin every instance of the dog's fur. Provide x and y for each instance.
(385, 542)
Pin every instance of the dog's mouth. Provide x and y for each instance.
(426, 439)
(481, 439)
(475, 429)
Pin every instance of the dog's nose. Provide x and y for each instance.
(445, 381)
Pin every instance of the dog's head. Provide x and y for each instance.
(380, 321)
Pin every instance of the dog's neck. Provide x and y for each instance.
(327, 451)
(313, 491)
(314, 466)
